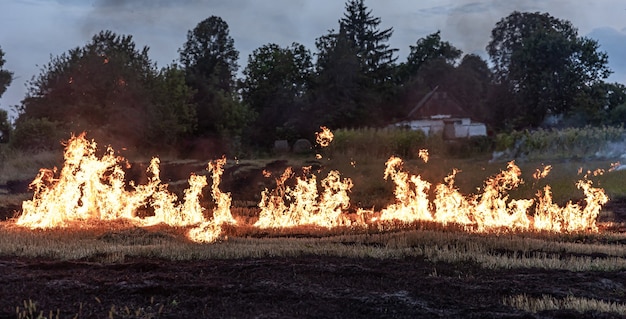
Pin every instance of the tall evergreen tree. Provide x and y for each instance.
(376, 57)
(354, 70)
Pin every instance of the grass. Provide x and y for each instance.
(29, 310)
(547, 302)
(117, 243)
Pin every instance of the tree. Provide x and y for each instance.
(603, 104)
(336, 91)
(5, 80)
(172, 116)
(544, 64)
(427, 49)
(275, 85)
(209, 58)
(5, 76)
(362, 29)
(354, 69)
(108, 87)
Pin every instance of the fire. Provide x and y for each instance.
(423, 154)
(290, 206)
(324, 137)
(411, 193)
(89, 188)
(539, 174)
(491, 209)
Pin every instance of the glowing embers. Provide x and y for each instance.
(90, 188)
(300, 204)
(491, 209)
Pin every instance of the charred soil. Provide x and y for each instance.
(302, 287)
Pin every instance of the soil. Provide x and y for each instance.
(303, 287)
(299, 287)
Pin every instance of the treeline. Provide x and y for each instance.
(540, 68)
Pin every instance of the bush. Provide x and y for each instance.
(377, 143)
(37, 135)
(564, 143)
(473, 146)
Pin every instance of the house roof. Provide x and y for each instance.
(437, 104)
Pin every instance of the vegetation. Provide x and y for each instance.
(542, 69)
(568, 143)
(559, 81)
(5, 80)
(115, 242)
(547, 302)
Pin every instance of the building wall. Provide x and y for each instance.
(463, 128)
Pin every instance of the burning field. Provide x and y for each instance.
(93, 242)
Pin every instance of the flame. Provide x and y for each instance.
(89, 188)
(451, 206)
(290, 206)
(539, 174)
(411, 193)
(491, 209)
(324, 137)
(423, 154)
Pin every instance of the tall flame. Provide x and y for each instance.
(90, 188)
(290, 206)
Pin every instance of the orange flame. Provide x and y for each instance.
(90, 188)
(324, 137)
(288, 206)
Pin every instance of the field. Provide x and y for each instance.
(383, 269)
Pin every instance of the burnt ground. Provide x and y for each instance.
(303, 287)
(299, 287)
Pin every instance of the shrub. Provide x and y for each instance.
(35, 135)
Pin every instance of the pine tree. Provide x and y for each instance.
(362, 28)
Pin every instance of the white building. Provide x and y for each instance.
(439, 113)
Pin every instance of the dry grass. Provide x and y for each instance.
(546, 302)
(19, 165)
(115, 243)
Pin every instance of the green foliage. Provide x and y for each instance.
(376, 58)
(544, 64)
(554, 144)
(5, 76)
(210, 61)
(427, 49)
(210, 52)
(355, 69)
(103, 87)
(276, 81)
(471, 147)
(37, 134)
(172, 115)
(5, 127)
(377, 143)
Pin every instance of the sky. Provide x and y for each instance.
(33, 31)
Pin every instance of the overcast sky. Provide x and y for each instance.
(31, 31)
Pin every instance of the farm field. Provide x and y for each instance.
(379, 268)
